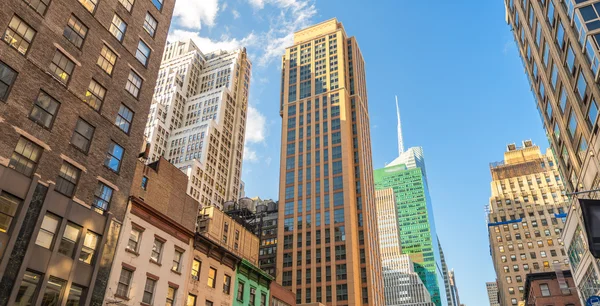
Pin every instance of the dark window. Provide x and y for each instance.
(25, 157)
(7, 78)
(144, 182)
(54, 291)
(240, 292)
(75, 295)
(68, 243)
(82, 136)
(67, 179)
(38, 5)
(19, 35)
(8, 209)
(44, 110)
(75, 31)
(102, 196)
(28, 288)
(62, 67)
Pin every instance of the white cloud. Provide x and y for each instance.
(259, 4)
(224, 6)
(250, 155)
(256, 126)
(192, 14)
(235, 13)
(207, 45)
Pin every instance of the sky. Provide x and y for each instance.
(456, 70)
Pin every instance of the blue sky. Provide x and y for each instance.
(455, 68)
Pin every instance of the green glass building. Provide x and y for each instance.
(418, 238)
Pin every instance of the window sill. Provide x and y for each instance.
(155, 262)
(144, 304)
(121, 297)
(128, 250)
(176, 272)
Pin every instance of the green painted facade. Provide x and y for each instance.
(250, 280)
(415, 223)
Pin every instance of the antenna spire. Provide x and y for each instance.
(400, 141)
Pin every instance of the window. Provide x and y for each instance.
(191, 300)
(581, 85)
(107, 59)
(8, 209)
(252, 296)
(45, 237)
(67, 179)
(69, 240)
(54, 291)
(171, 293)
(593, 113)
(75, 31)
(144, 182)
(263, 299)
(75, 294)
(94, 96)
(102, 197)
(124, 282)
(25, 157)
(150, 24)
(226, 284)
(90, 5)
(62, 67)
(118, 28)
(156, 250)
(19, 35)
(240, 292)
(82, 136)
(177, 261)
(124, 118)
(114, 157)
(28, 288)
(208, 303)
(196, 265)
(134, 239)
(149, 291)
(88, 250)
(212, 275)
(44, 110)
(38, 5)
(127, 4)
(158, 4)
(545, 289)
(338, 215)
(134, 83)
(572, 126)
(142, 53)
(7, 78)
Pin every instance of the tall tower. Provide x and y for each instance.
(76, 81)
(330, 251)
(198, 118)
(407, 177)
(492, 291)
(526, 218)
(560, 52)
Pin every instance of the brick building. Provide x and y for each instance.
(76, 83)
(545, 288)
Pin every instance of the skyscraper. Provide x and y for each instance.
(406, 175)
(453, 289)
(492, 291)
(402, 286)
(525, 218)
(76, 81)
(560, 54)
(198, 118)
(330, 251)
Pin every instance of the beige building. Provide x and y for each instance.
(330, 251)
(525, 219)
(154, 254)
(197, 120)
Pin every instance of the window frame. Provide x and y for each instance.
(68, 181)
(86, 149)
(23, 36)
(116, 27)
(73, 31)
(47, 231)
(120, 284)
(104, 62)
(121, 121)
(98, 196)
(110, 156)
(3, 66)
(43, 112)
(150, 25)
(139, 52)
(54, 66)
(33, 147)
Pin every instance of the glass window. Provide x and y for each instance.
(134, 84)
(82, 135)
(142, 53)
(75, 295)
(62, 67)
(75, 31)
(118, 27)
(158, 4)
(28, 288)
(156, 250)
(124, 282)
(67, 179)
(572, 127)
(107, 59)
(38, 5)
(338, 215)
(7, 78)
(94, 96)
(593, 113)
(25, 157)
(114, 157)
(134, 239)
(149, 291)
(88, 250)
(177, 261)
(90, 5)
(44, 110)
(102, 196)
(196, 266)
(127, 4)
(240, 292)
(45, 237)
(68, 243)
(570, 59)
(124, 118)
(545, 289)
(8, 208)
(150, 24)
(54, 291)
(191, 300)
(171, 293)
(19, 35)
(554, 76)
(581, 86)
